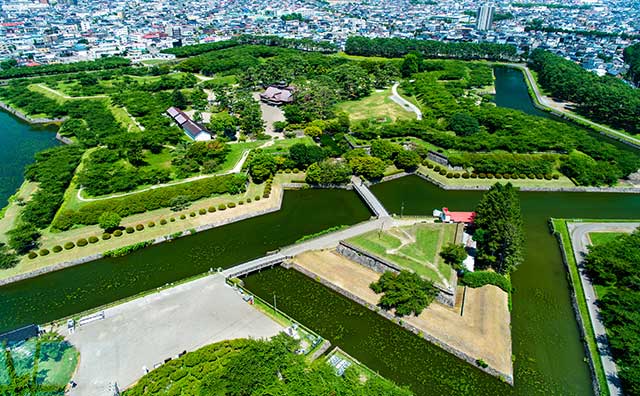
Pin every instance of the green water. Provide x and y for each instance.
(75, 289)
(19, 141)
(546, 344)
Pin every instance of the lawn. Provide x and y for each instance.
(124, 119)
(600, 238)
(236, 153)
(415, 248)
(162, 160)
(378, 105)
(283, 145)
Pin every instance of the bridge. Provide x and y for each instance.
(369, 198)
(254, 265)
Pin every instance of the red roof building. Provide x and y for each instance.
(459, 217)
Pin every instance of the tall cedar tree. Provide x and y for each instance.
(499, 231)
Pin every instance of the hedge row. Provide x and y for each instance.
(151, 200)
(481, 278)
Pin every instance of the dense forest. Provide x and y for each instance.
(602, 99)
(615, 266)
(632, 58)
(397, 48)
(257, 368)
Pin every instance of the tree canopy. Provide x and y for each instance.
(498, 229)
(405, 292)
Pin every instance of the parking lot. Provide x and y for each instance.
(144, 332)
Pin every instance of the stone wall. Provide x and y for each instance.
(445, 295)
(28, 119)
(388, 315)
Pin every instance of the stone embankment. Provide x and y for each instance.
(26, 118)
(388, 315)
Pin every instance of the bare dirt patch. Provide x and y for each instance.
(482, 331)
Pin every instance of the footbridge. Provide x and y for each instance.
(369, 198)
(254, 265)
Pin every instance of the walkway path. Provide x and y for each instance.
(236, 169)
(552, 105)
(144, 332)
(579, 233)
(65, 96)
(371, 200)
(403, 102)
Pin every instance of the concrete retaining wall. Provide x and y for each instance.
(378, 264)
(386, 314)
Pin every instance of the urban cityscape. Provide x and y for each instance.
(593, 33)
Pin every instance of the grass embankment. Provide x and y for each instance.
(560, 226)
(600, 238)
(378, 105)
(415, 247)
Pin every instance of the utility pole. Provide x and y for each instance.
(402, 209)
(275, 306)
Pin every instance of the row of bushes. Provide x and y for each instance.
(481, 278)
(473, 175)
(151, 200)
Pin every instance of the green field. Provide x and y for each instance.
(600, 238)
(415, 248)
(377, 105)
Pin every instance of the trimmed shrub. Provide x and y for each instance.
(93, 239)
(129, 230)
(429, 164)
(43, 252)
(83, 242)
(474, 175)
(222, 206)
(32, 255)
(163, 221)
(117, 233)
(192, 214)
(490, 176)
(151, 224)
(106, 236)
(523, 176)
(498, 176)
(248, 200)
(295, 170)
(257, 198)
(139, 227)
(202, 211)
(443, 172)
(449, 175)
(465, 175)
(57, 249)
(211, 209)
(531, 176)
(240, 202)
(556, 177)
(69, 245)
(183, 216)
(437, 168)
(231, 205)
(456, 175)
(482, 176)
(548, 177)
(173, 219)
(506, 176)
(539, 176)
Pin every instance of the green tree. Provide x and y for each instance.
(410, 65)
(7, 259)
(405, 292)
(328, 172)
(262, 167)
(24, 238)
(304, 155)
(407, 160)
(499, 233)
(109, 221)
(454, 254)
(352, 80)
(369, 167)
(384, 149)
(313, 131)
(464, 124)
(178, 99)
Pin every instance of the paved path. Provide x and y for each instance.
(546, 102)
(579, 233)
(403, 102)
(370, 199)
(145, 331)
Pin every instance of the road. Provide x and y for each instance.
(403, 102)
(546, 102)
(146, 331)
(579, 233)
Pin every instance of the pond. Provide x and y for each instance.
(19, 141)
